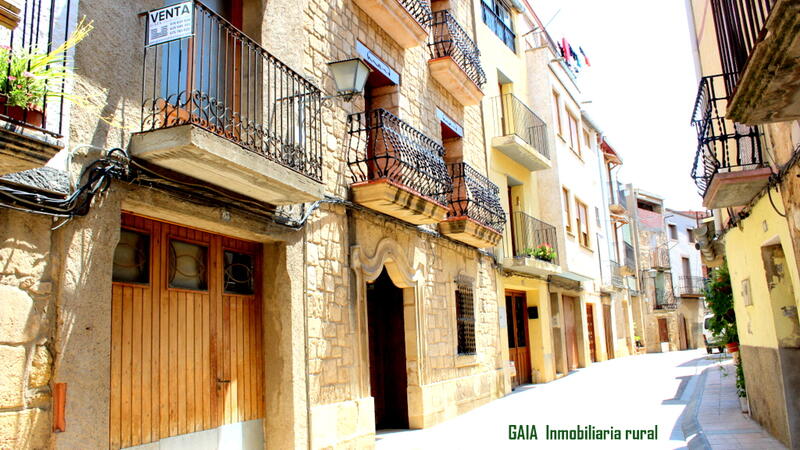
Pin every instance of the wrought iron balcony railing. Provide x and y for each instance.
(616, 274)
(665, 300)
(449, 39)
(222, 81)
(511, 116)
(476, 197)
(722, 145)
(384, 147)
(740, 26)
(43, 26)
(420, 10)
(528, 233)
(690, 285)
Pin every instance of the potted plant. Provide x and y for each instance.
(26, 74)
(741, 390)
(719, 297)
(543, 252)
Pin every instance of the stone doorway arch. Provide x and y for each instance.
(389, 255)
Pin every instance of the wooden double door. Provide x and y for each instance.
(518, 342)
(186, 332)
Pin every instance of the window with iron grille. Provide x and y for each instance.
(465, 316)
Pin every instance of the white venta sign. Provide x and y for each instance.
(170, 23)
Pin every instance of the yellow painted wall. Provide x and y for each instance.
(743, 250)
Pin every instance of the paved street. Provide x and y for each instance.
(639, 392)
(718, 415)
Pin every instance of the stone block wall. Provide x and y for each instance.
(26, 330)
(332, 310)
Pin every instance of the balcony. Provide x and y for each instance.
(30, 134)
(665, 300)
(455, 59)
(405, 21)
(759, 41)
(475, 216)
(692, 286)
(224, 111)
(729, 167)
(518, 250)
(659, 258)
(519, 133)
(396, 169)
(617, 279)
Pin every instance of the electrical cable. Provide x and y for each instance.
(98, 179)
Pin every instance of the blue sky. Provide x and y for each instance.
(641, 85)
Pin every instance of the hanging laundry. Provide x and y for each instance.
(575, 56)
(585, 58)
(565, 49)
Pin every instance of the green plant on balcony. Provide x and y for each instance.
(27, 72)
(719, 297)
(543, 252)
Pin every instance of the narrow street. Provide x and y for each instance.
(638, 392)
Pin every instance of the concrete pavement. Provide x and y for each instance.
(626, 398)
(719, 413)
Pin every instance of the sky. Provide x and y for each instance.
(641, 84)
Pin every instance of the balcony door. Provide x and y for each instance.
(186, 336)
(518, 343)
(202, 77)
(687, 268)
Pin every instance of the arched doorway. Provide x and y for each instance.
(387, 353)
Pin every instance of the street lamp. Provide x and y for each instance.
(350, 76)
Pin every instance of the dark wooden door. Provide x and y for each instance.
(387, 353)
(570, 332)
(590, 330)
(663, 331)
(682, 338)
(518, 345)
(609, 338)
(186, 339)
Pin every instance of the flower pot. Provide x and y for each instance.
(744, 405)
(32, 117)
(732, 347)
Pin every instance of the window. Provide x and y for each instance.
(690, 235)
(587, 140)
(187, 266)
(582, 221)
(497, 17)
(567, 210)
(557, 113)
(673, 232)
(131, 258)
(645, 206)
(238, 273)
(597, 217)
(465, 316)
(574, 143)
